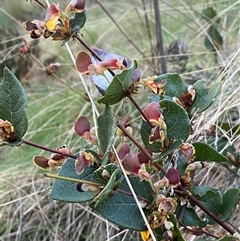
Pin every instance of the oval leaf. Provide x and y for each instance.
(206, 153)
(13, 104)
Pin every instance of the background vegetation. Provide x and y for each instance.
(56, 100)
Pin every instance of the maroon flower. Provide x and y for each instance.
(82, 128)
(76, 5)
(56, 160)
(85, 65)
(142, 157)
(130, 162)
(84, 159)
(153, 113)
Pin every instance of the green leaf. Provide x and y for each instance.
(206, 153)
(121, 208)
(209, 14)
(119, 86)
(106, 129)
(204, 96)
(211, 198)
(230, 200)
(190, 218)
(78, 21)
(13, 104)
(65, 190)
(178, 127)
(174, 86)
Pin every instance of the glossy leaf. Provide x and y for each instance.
(204, 96)
(222, 143)
(174, 86)
(121, 208)
(178, 126)
(106, 129)
(13, 104)
(65, 190)
(206, 153)
(118, 88)
(181, 163)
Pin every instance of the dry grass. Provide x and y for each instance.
(26, 212)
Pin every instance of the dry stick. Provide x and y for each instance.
(159, 36)
(41, 4)
(30, 143)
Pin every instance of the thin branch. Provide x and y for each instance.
(45, 148)
(139, 109)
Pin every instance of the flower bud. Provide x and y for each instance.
(194, 166)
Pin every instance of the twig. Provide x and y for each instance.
(45, 148)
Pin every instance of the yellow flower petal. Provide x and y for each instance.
(51, 24)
